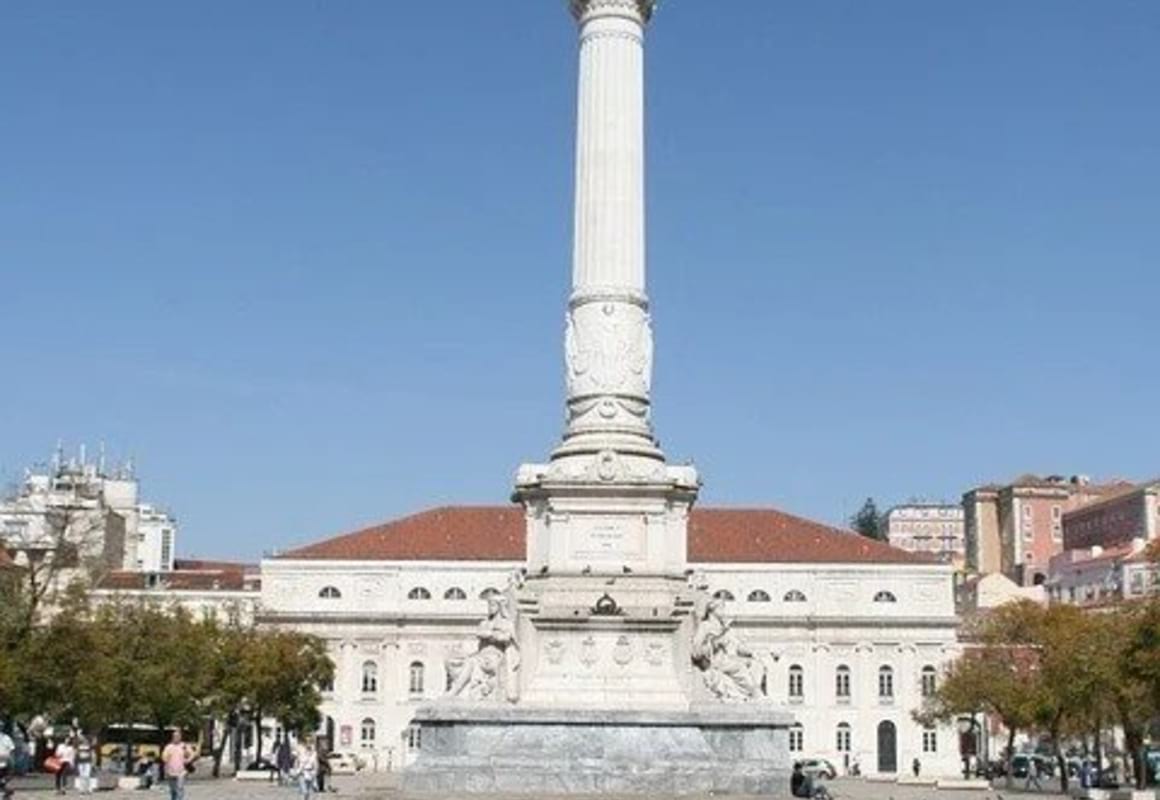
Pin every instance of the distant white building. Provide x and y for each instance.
(226, 591)
(858, 631)
(83, 505)
(935, 528)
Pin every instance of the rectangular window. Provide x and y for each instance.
(843, 738)
(1056, 513)
(414, 738)
(796, 739)
(842, 685)
(886, 686)
(929, 741)
(796, 685)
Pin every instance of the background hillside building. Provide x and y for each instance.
(856, 631)
(1118, 518)
(1016, 528)
(934, 528)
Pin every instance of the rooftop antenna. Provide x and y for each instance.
(58, 456)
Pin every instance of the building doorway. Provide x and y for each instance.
(887, 747)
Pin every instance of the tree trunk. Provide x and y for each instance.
(1059, 759)
(1134, 743)
(1009, 756)
(257, 734)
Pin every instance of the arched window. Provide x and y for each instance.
(327, 684)
(758, 596)
(490, 591)
(414, 737)
(842, 683)
(843, 737)
(367, 733)
(416, 679)
(794, 596)
(329, 593)
(885, 597)
(418, 593)
(796, 738)
(370, 677)
(455, 593)
(929, 681)
(723, 594)
(797, 683)
(885, 684)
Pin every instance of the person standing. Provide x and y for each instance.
(284, 760)
(84, 764)
(66, 756)
(174, 759)
(307, 769)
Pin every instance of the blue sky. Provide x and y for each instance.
(307, 261)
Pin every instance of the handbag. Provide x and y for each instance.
(53, 764)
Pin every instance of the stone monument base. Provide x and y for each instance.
(475, 749)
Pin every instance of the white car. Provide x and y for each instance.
(344, 763)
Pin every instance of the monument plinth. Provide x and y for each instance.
(605, 667)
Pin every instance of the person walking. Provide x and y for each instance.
(66, 756)
(174, 759)
(284, 760)
(84, 780)
(307, 767)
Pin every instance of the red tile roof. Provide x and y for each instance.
(496, 533)
(221, 580)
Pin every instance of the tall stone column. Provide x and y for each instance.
(607, 501)
(608, 339)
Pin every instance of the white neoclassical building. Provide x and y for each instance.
(857, 630)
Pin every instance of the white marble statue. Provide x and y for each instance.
(491, 671)
(730, 670)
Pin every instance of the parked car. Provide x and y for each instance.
(819, 766)
(1022, 764)
(344, 763)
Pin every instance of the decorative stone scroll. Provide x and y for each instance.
(730, 670)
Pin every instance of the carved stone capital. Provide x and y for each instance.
(639, 10)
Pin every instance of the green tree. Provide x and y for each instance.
(868, 521)
(991, 679)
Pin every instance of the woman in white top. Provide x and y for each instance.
(307, 767)
(66, 754)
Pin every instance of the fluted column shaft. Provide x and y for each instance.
(608, 346)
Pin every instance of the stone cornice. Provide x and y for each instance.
(639, 10)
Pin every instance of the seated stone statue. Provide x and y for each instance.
(730, 670)
(490, 672)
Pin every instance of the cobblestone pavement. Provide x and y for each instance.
(385, 787)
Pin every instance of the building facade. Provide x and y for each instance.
(1016, 528)
(934, 528)
(856, 631)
